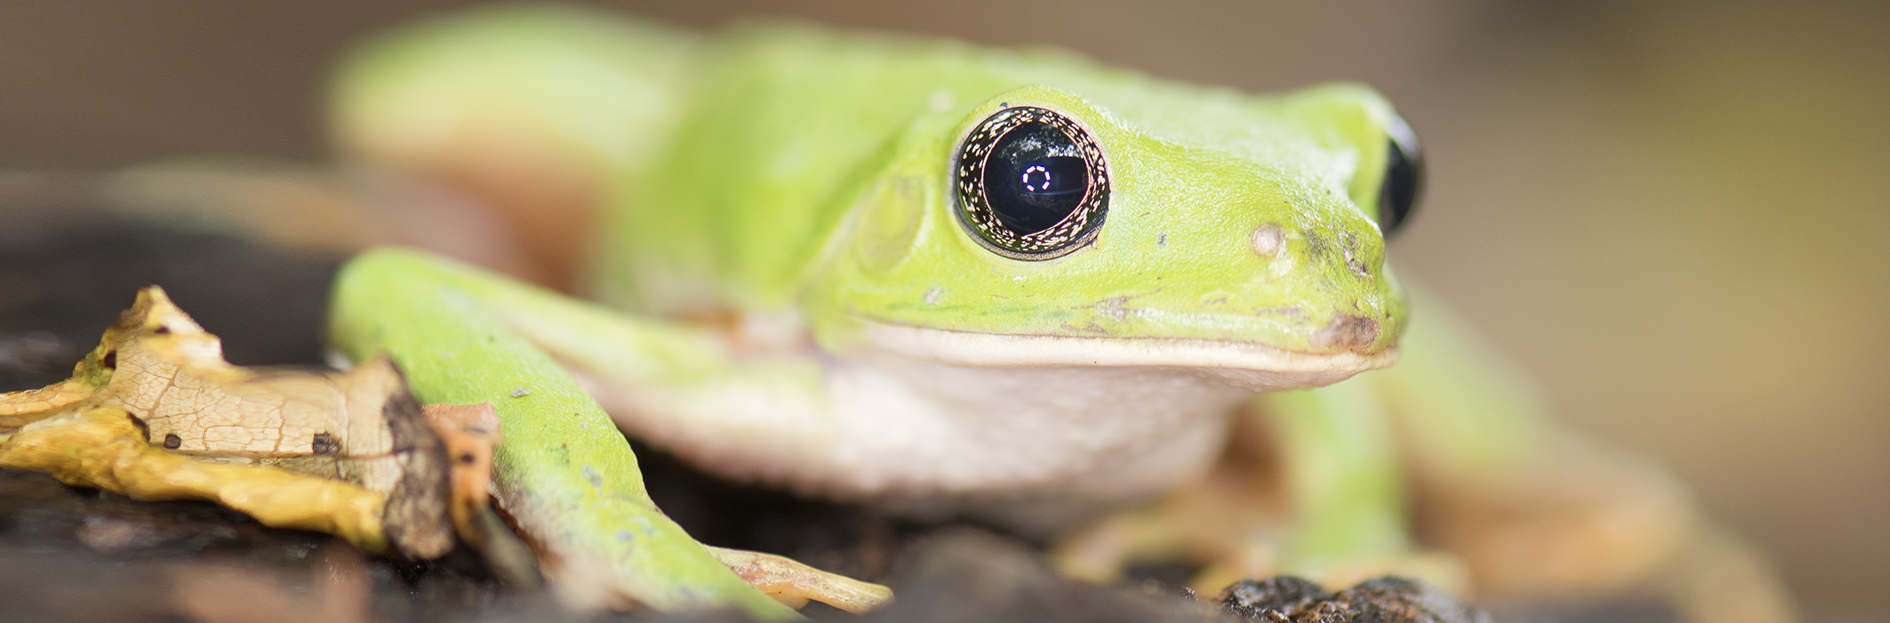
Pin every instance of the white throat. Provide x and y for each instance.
(1035, 447)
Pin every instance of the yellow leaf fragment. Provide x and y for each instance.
(794, 584)
(20, 408)
(168, 375)
(103, 448)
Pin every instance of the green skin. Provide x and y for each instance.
(804, 180)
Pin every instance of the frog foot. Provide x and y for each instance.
(1582, 520)
(1237, 541)
(1239, 532)
(1592, 520)
(794, 584)
(1199, 521)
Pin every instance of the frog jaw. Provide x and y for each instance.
(1250, 365)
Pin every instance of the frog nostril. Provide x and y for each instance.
(1346, 332)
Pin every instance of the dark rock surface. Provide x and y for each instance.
(960, 575)
(1287, 599)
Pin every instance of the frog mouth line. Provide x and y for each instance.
(1254, 366)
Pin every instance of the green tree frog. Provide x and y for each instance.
(938, 278)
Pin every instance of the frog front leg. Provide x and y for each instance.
(1341, 478)
(563, 471)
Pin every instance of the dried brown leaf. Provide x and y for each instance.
(166, 373)
(794, 583)
(101, 447)
(470, 432)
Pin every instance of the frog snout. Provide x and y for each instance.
(1347, 332)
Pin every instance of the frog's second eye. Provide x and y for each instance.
(1032, 184)
(1404, 177)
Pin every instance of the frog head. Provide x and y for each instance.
(1168, 227)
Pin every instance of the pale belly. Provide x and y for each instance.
(1033, 448)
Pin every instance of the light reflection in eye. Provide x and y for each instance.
(1037, 170)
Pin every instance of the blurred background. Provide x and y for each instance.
(1670, 213)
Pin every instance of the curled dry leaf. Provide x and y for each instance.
(470, 432)
(101, 447)
(164, 372)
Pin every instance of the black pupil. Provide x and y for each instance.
(1403, 174)
(1034, 177)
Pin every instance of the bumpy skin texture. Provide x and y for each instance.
(799, 182)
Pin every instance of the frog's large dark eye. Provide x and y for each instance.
(1032, 184)
(1404, 177)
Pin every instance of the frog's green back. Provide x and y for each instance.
(758, 146)
(783, 123)
(601, 87)
(786, 122)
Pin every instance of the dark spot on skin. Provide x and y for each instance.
(1289, 312)
(1349, 244)
(172, 441)
(1317, 247)
(143, 431)
(325, 444)
(467, 458)
(1347, 332)
(109, 361)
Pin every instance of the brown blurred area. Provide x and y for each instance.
(1672, 214)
